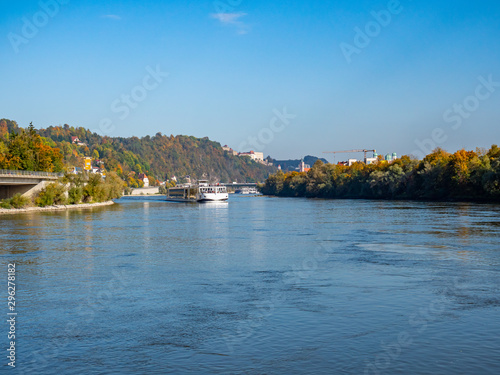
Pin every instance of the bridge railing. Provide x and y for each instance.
(12, 173)
(240, 184)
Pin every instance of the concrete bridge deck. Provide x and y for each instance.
(24, 182)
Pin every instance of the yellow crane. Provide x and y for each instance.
(350, 151)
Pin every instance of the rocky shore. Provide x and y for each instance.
(53, 208)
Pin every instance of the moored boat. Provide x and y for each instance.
(247, 191)
(203, 191)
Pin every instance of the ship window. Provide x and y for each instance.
(176, 193)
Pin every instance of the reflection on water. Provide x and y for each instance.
(258, 285)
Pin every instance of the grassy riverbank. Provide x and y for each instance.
(462, 176)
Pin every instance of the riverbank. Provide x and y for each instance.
(463, 176)
(54, 208)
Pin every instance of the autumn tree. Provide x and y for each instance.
(26, 150)
(4, 131)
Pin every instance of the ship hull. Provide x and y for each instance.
(212, 199)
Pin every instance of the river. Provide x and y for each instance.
(257, 285)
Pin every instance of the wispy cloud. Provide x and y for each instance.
(232, 19)
(228, 18)
(112, 17)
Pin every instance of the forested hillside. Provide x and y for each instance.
(160, 157)
(464, 175)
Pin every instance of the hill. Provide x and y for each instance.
(160, 157)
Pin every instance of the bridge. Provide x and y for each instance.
(240, 185)
(233, 187)
(26, 183)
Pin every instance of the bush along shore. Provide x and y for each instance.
(70, 191)
(462, 176)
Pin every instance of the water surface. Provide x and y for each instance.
(257, 286)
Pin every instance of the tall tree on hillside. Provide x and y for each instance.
(4, 130)
(28, 151)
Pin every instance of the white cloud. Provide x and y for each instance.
(232, 19)
(112, 16)
(228, 18)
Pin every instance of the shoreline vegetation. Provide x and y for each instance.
(468, 176)
(70, 190)
(54, 208)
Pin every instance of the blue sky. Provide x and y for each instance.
(233, 65)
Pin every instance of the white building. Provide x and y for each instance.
(303, 167)
(144, 178)
(257, 156)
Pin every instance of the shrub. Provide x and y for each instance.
(115, 186)
(75, 195)
(101, 193)
(19, 201)
(5, 203)
(89, 190)
(52, 194)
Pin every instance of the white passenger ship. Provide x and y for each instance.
(247, 191)
(200, 192)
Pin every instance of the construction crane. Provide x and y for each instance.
(350, 151)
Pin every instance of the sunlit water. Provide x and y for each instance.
(256, 286)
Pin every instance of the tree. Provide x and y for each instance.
(4, 131)
(152, 180)
(26, 150)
